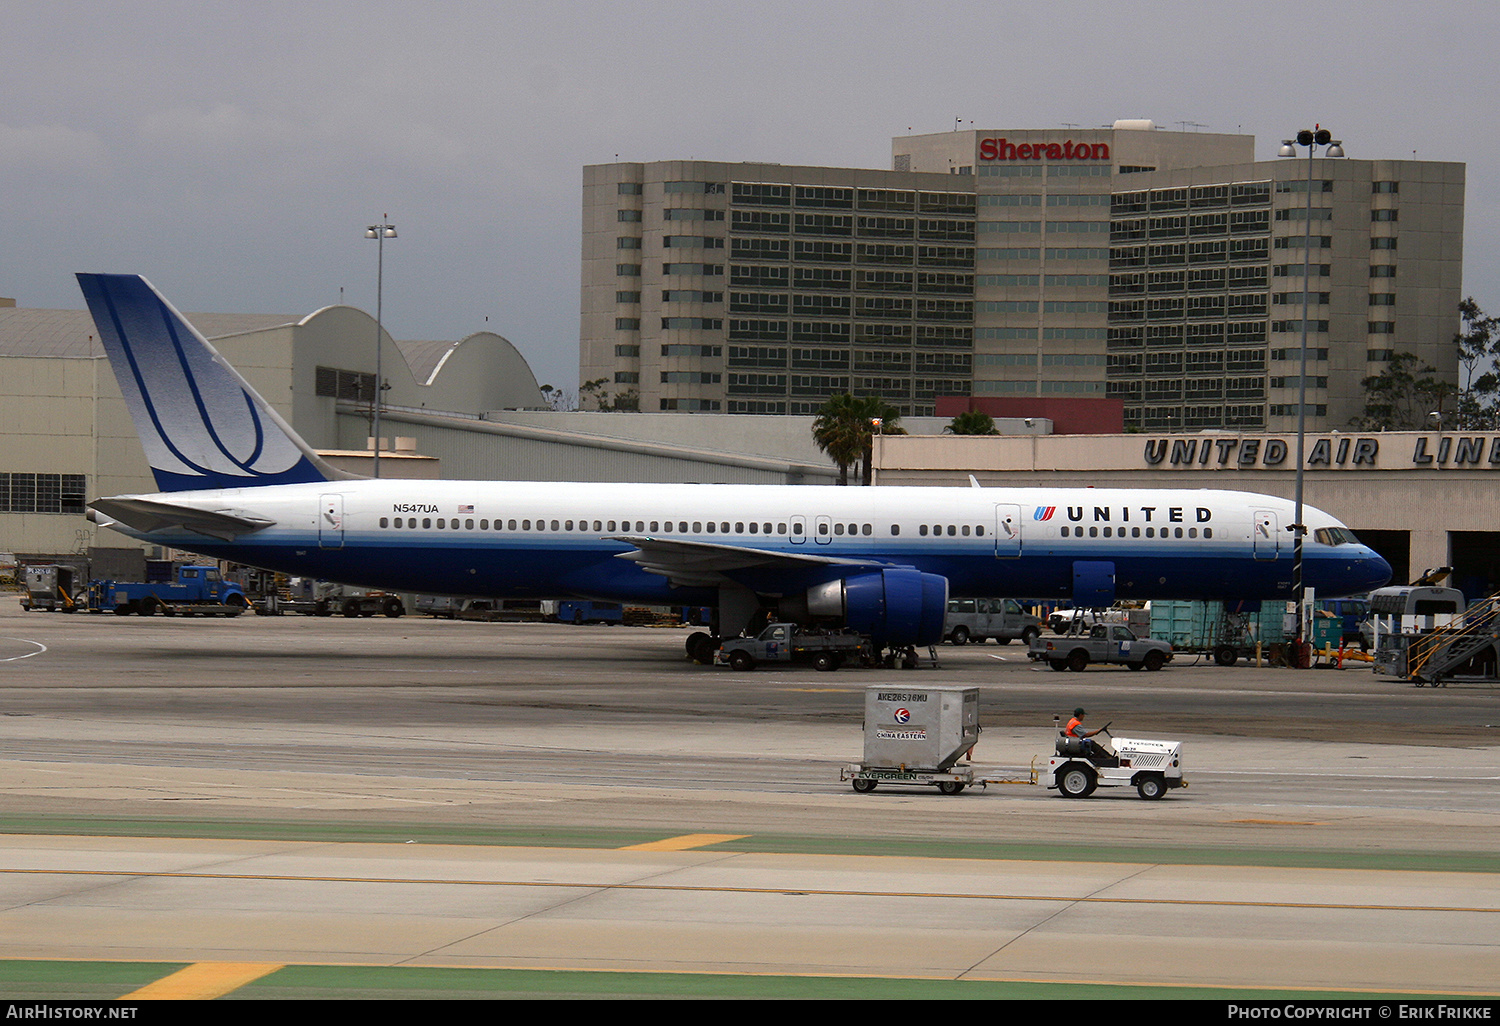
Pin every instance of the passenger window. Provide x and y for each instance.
(952, 531)
(412, 523)
(754, 527)
(1208, 532)
(468, 525)
(1109, 532)
(895, 530)
(781, 528)
(979, 530)
(484, 525)
(966, 530)
(711, 527)
(1179, 532)
(867, 530)
(739, 528)
(442, 523)
(426, 523)
(654, 526)
(1135, 532)
(1192, 532)
(666, 526)
(724, 527)
(1093, 532)
(682, 526)
(382, 521)
(922, 530)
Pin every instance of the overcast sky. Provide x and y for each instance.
(234, 152)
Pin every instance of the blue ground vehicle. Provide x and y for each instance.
(579, 611)
(195, 591)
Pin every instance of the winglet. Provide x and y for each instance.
(201, 424)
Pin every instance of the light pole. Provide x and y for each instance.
(378, 232)
(1312, 139)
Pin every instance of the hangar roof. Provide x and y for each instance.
(69, 334)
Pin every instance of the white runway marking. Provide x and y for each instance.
(40, 648)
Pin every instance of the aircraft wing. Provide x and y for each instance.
(148, 515)
(706, 564)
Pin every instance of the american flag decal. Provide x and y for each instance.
(466, 509)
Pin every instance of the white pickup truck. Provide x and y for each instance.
(791, 643)
(1102, 643)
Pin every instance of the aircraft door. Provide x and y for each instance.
(330, 522)
(1007, 531)
(1093, 584)
(1266, 534)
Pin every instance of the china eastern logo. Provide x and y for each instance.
(1044, 513)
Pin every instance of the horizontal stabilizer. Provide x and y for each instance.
(148, 515)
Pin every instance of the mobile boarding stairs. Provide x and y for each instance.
(1468, 649)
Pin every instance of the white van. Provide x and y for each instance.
(977, 619)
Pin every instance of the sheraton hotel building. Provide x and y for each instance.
(1160, 272)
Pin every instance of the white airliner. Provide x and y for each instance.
(237, 483)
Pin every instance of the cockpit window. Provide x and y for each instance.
(1335, 536)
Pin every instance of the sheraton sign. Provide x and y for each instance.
(1328, 452)
(1003, 149)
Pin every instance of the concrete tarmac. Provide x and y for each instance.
(1319, 845)
(719, 911)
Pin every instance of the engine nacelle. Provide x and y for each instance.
(896, 607)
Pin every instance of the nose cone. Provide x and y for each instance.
(1349, 571)
(1376, 570)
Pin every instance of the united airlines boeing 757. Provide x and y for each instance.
(238, 483)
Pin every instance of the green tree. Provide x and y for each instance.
(593, 393)
(972, 422)
(1400, 397)
(1478, 344)
(1404, 395)
(845, 426)
(559, 399)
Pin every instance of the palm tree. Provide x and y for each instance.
(972, 422)
(845, 425)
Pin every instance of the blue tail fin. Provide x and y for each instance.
(202, 425)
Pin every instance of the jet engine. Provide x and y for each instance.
(897, 608)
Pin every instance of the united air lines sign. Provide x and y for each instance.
(1393, 451)
(1004, 149)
